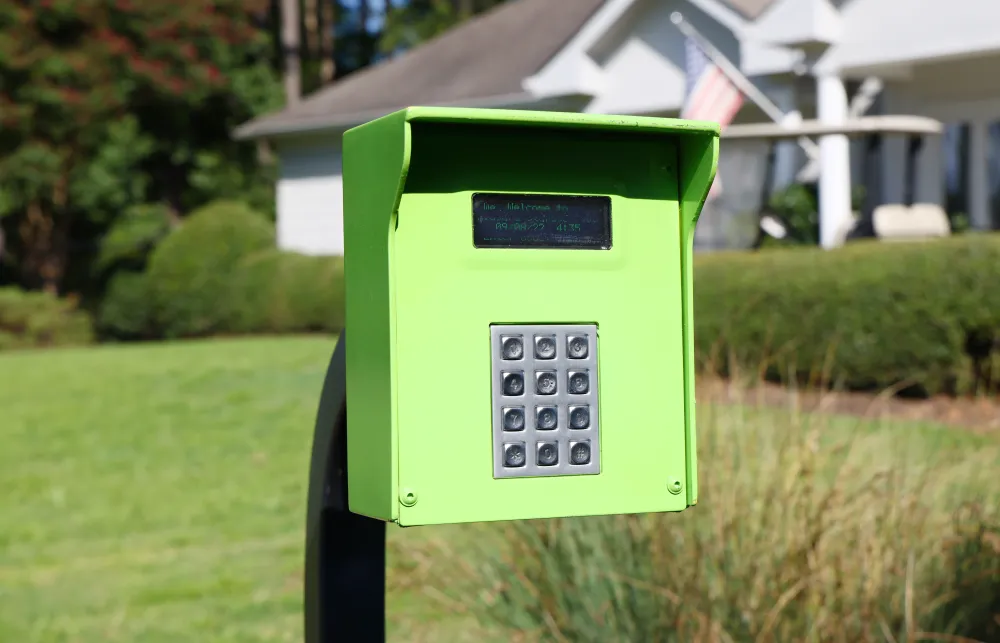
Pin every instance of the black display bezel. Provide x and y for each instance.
(592, 213)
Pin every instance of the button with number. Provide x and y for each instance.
(546, 382)
(579, 382)
(513, 383)
(579, 417)
(513, 418)
(577, 346)
(545, 346)
(512, 347)
(548, 454)
(546, 418)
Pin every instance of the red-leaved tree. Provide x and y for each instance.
(106, 103)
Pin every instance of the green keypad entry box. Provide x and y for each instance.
(519, 305)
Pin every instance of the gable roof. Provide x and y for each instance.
(749, 8)
(484, 60)
(796, 23)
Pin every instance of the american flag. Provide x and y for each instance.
(710, 95)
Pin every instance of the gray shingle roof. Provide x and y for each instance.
(486, 59)
(750, 8)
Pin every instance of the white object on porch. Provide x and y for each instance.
(897, 222)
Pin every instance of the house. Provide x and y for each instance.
(627, 57)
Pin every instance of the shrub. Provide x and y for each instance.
(921, 315)
(125, 312)
(285, 292)
(798, 536)
(37, 319)
(190, 271)
(129, 242)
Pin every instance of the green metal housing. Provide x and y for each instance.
(421, 298)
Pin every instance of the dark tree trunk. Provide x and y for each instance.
(290, 42)
(44, 241)
(327, 18)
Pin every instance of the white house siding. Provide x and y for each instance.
(890, 31)
(310, 196)
(643, 58)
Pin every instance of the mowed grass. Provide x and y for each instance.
(157, 493)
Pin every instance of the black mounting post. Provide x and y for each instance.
(345, 552)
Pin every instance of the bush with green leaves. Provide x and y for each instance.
(190, 271)
(125, 312)
(286, 292)
(132, 237)
(919, 316)
(38, 319)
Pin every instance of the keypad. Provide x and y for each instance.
(545, 400)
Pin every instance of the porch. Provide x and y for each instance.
(961, 170)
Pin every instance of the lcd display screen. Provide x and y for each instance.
(541, 221)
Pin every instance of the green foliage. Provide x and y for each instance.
(800, 534)
(218, 273)
(129, 241)
(35, 319)
(107, 183)
(417, 21)
(214, 175)
(797, 206)
(108, 105)
(191, 270)
(285, 292)
(922, 316)
(126, 310)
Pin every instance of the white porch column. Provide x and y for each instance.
(979, 189)
(835, 155)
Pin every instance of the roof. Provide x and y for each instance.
(797, 23)
(749, 8)
(482, 61)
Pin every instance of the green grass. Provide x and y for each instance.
(157, 493)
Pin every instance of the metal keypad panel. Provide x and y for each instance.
(545, 400)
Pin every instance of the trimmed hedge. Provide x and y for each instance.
(219, 274)
(37, 319)
(285, 292)
(190, 271)
(923, 317)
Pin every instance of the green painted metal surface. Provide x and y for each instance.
(421, 298)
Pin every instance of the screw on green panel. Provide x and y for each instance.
(675, 486)
(408, 497)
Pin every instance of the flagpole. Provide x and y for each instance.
(738, 79)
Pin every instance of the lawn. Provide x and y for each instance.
(157, 493)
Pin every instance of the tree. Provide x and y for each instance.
(108, 103)
(291, 46)
(412, 22)
(357, 43)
